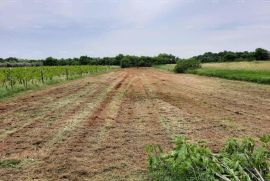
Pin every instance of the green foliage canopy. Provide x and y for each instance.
(237, 161)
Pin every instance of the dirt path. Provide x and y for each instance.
(97, 128)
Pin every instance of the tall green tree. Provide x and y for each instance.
(50, 61)
(84, 60)
(261, 54)
(11, 59)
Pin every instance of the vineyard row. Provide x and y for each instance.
(9, 77)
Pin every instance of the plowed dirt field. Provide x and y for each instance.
(96, 128)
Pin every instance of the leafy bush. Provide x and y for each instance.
(183, 66)
(237, 161)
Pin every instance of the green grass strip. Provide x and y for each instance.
(258, 76)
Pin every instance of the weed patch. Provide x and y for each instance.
(13, 163)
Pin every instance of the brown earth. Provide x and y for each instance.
(97, 128)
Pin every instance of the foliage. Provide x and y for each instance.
(145, 61)
(14, 62)
(125, 60)
(129, 61)
(134, 61)
(183, 66)
(138, 61)
(261, 54)
(20, 78)
(229, 56)
(237, 161)
(11, 59)
(83, 60)
(50, 61)
(164, 58)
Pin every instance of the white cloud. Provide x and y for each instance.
(108, 27)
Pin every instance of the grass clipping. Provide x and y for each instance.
(237, 161)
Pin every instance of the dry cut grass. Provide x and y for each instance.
(255, 66)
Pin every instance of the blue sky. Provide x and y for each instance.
(71, 28)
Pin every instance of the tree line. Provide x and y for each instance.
(229, 56)
(139, 61)
(119, 60)
(15, 62)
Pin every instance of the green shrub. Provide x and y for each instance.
(183, 66)
(237, 161)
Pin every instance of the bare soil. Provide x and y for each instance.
(97, 128)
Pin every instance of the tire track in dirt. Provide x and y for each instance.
(208, 110)
(22, 120)
(34, 100)
(121, 155)
(220, 92)
(103, 148)
(75, 142)
(48, 136)
(19, 118)
(204, 95)
(39, 131)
